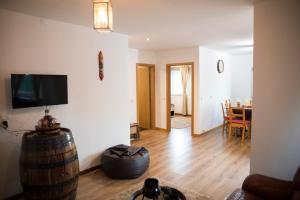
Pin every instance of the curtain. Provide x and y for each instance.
(185, 76)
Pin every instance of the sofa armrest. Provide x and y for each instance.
(268, 188)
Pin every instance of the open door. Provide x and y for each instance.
(145, 75)
(180, 97)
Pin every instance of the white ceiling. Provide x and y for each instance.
(218, 24)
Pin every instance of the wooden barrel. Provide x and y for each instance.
(49, 166)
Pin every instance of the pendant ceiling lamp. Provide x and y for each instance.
(103, 16)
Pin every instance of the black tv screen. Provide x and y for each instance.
(31, 90)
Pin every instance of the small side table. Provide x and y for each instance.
(134, 131)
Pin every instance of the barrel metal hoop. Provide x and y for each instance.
(29, 188)
(42, 146)
(49, 165)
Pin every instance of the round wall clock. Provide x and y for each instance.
(220, 66)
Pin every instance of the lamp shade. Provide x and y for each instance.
(103, 16)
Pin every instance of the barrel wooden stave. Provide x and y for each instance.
(49, 166)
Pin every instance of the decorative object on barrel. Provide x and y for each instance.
(49, 166)
(101, 71)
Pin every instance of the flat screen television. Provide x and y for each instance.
(32, 90)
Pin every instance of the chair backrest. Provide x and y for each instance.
(227, 103)
(223, 111)
(237, 112)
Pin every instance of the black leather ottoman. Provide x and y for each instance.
(125, 162)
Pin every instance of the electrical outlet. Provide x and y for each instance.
(5, 124)
(4, 121)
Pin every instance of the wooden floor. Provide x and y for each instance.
(211, 164)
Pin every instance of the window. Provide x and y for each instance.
(176, 82)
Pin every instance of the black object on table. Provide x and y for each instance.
(167, 193)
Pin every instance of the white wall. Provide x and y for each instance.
(276, 128)
(136, 56)
(133, 59)
(241, 77)
(165, 57)
(97, 112)
(10, 146)
(214, 87)
(147, 57)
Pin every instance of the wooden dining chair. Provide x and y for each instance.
(225, 117)
(227, 103)
(237, 119)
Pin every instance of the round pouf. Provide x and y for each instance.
(124, 165)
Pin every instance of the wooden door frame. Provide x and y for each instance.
(153, 108)
(168, 94)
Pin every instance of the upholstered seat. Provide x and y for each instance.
(240, 121)
(259, 187)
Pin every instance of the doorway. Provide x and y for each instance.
(145, 93)
(180, 96)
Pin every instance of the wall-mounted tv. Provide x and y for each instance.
(32, 90)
